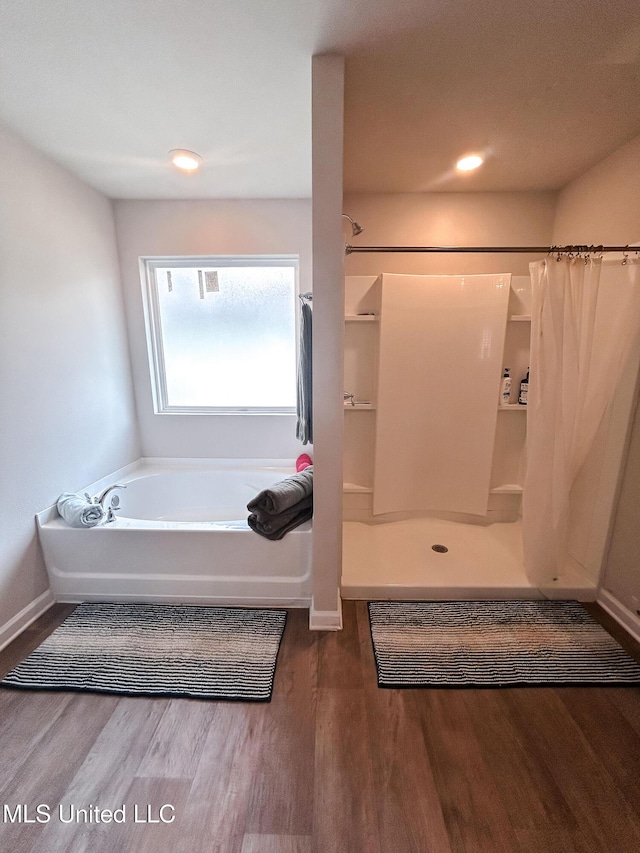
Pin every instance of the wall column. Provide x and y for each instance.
(328, 331)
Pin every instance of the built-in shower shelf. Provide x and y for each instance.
(356, 489)
(361, 318)
(359, 407)
(520, 318)
(506, 489)
(512, 407)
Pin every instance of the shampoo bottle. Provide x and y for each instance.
(524, 390)
(506, 387)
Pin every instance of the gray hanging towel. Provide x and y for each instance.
(304, 425)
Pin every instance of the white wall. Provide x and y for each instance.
(157, 228)
(67, 402)
(439, 219)
(603, 206)
(448, 219)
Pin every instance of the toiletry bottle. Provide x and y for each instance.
(506, 387)
(524, 390)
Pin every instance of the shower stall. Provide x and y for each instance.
(435, 460)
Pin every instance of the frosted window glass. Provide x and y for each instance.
(233, 347)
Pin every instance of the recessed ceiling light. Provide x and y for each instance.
(470, 162)
(186, 161)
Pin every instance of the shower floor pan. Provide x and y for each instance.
(396, 561)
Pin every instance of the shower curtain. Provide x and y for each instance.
(585, 319)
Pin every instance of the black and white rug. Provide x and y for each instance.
(157, 649)
(494, 644)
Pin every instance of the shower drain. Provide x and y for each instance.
(441, 549)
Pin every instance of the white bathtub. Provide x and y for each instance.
(180, 537)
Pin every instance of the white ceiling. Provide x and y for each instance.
(108, 88)
(545, 88)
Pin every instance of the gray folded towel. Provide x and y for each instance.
(284, 495)
(276, 526)
(78, 511)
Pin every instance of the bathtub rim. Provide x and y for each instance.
(151, 465)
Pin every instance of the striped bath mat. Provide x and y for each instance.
(494, 644)
(156, 649)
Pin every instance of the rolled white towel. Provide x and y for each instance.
(78, 512)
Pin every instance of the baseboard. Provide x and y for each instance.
(623, 616)
(326, 620)
(15, 626)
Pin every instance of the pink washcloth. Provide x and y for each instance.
(303, 461)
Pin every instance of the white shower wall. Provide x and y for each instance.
(392, 555)
(504, 458)
(440, 356)
(395, 559)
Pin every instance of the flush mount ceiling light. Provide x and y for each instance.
(469, 162)
(186, 161)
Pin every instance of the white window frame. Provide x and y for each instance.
(148, 266)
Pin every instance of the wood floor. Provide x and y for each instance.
(331, 765)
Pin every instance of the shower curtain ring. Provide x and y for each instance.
(625, 257)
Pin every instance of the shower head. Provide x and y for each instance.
(355, 228)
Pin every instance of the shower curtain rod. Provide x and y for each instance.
(575, 250)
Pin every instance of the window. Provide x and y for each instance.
(222, 333)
